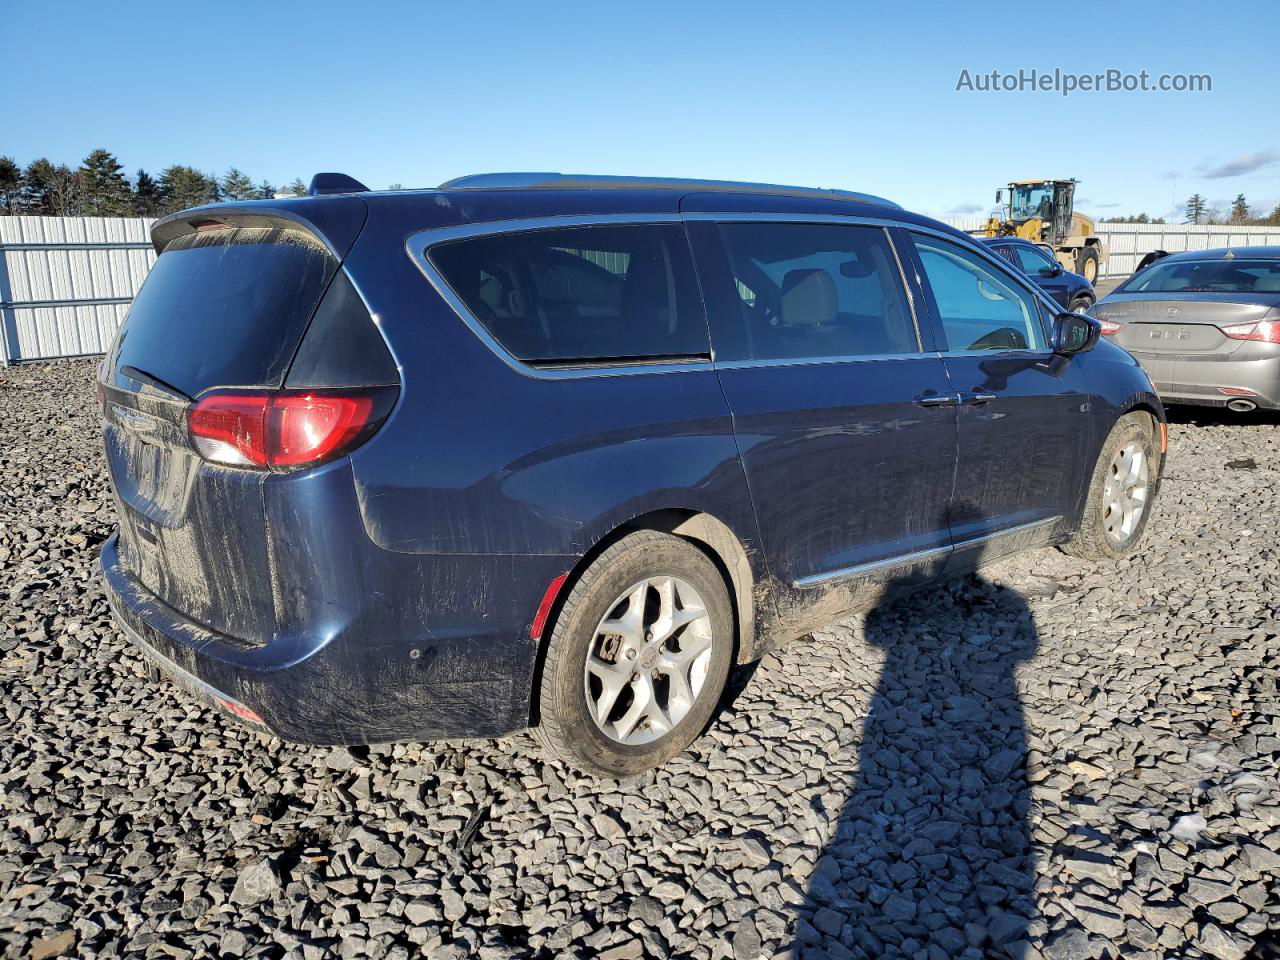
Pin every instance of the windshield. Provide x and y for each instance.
(1208, 276)
(1035, 200)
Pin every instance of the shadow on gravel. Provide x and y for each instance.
(931, 854)
(1220, 417)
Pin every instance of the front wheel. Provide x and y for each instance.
(1120, 492)
(638, 657)
(1080, 304)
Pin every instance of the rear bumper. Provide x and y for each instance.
(1199, 381)
(346, 689)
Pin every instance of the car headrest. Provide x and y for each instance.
(491, 293)
(808, 298)
(856, 269)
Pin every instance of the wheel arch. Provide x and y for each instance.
(704, 530)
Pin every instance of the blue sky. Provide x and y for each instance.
(824, 94)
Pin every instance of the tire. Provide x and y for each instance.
(1080, 304)
(571, 695)
(1087, 263)
(1101, 522)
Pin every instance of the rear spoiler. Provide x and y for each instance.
(336, 221)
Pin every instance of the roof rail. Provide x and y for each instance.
(323, 183)
(575, 181)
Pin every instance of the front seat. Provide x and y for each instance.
(808, 298)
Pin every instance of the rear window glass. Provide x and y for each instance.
(581, 294)
(224, 308)
(1208, 276)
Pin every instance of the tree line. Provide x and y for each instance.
(99, 187)
(1199, 210)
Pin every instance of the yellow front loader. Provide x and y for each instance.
(1042, 211)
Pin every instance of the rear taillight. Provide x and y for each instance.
(1263, 331)
(285, 429)
(1109, 327)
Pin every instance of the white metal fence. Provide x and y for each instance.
(66, 282)
(1129, 241)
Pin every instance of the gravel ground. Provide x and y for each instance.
(1057, 760)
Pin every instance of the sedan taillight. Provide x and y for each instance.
(285, 429)
(1109, 327)
(1263, 331)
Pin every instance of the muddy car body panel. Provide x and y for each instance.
(394, 589)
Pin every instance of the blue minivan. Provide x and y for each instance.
(559, 451)
(1070, 290)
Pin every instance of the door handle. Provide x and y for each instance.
(938, 400)
(976, 398)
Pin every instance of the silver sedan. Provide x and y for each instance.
(1205, 325)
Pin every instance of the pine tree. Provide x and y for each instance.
(35, 187)
(10, 185)
(106, 191)
(147, 201)
(265, 191)
(236, 185)
(297, 188)
(1239, 209)
(183, 187)
(1197, 208)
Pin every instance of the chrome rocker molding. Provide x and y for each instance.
(906, 559)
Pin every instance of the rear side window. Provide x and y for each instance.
(582, 294)
(224, 307)
(815, 290)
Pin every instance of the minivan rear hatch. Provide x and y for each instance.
(226, 306)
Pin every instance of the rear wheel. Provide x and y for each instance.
(638, 657)
(1087, 263)
(1120, 492)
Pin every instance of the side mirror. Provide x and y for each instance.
(1074, 333)
(1054, 271)
(999, 196)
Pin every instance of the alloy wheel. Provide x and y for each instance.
(1124, 497)
(648, 660)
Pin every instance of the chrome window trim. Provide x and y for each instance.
(918, 556)
(814, 361)
(1042, 354)
(906, 288)
(417, 244)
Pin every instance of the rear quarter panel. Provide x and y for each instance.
(479, 458)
